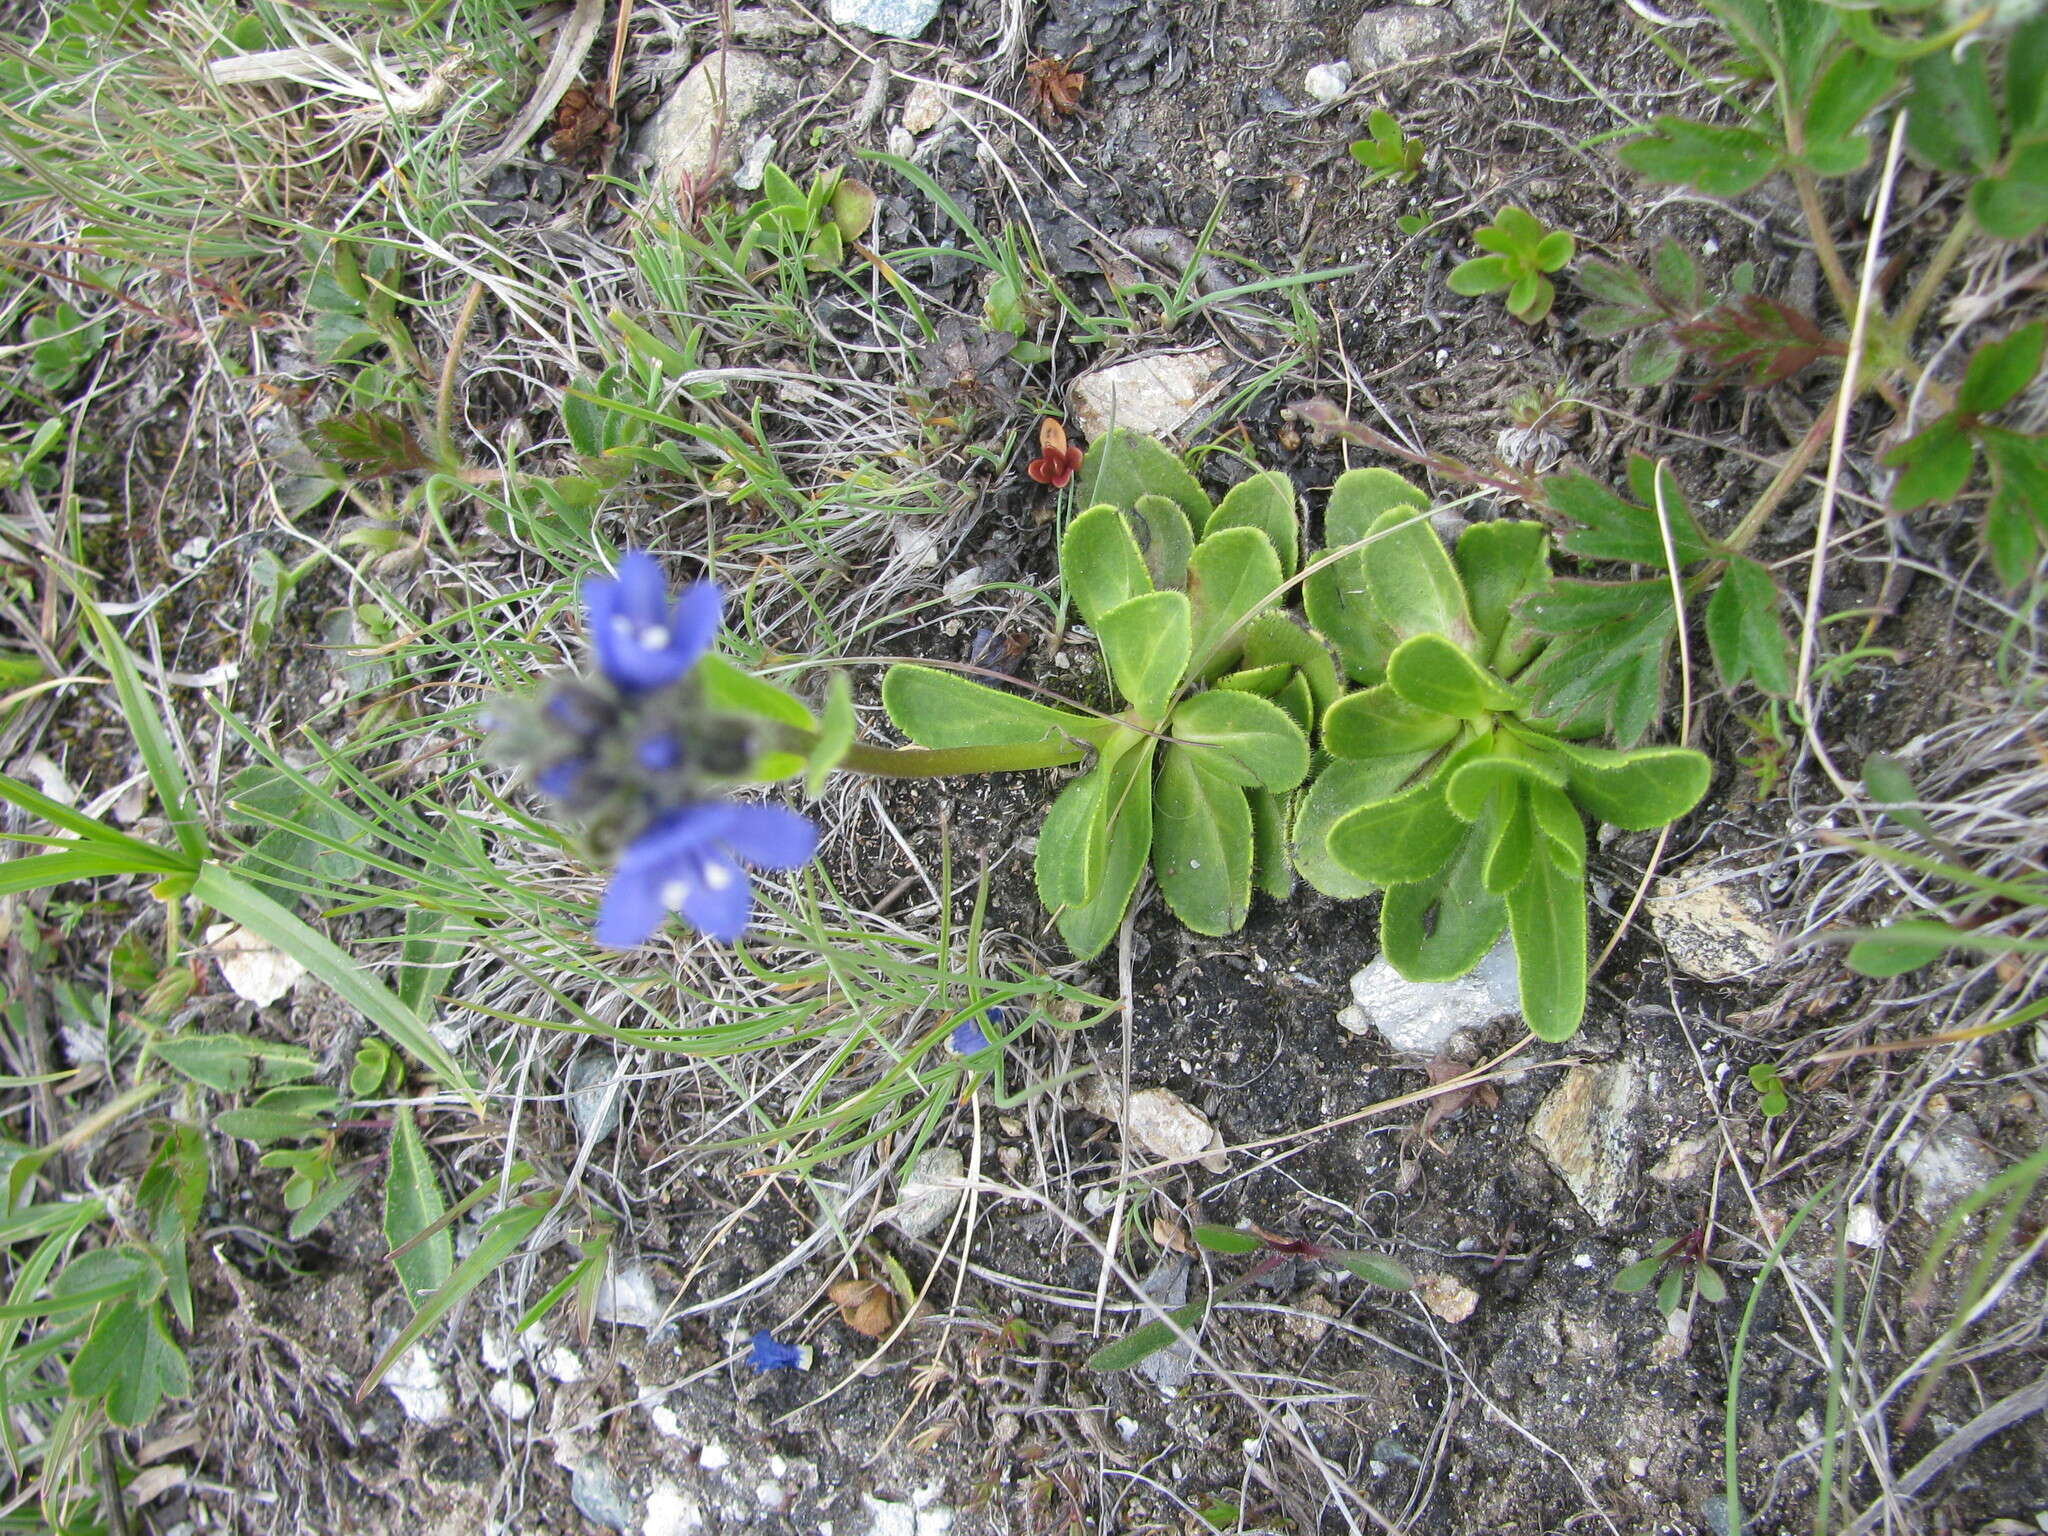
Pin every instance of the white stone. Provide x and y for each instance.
(684, 133)
(930, 1192)
(753, 167)
(1154, 395)
(1713, 929)
(629, 1296)
(420, 1388)
(671, 1512)
(1400, 34)
(959, 586)
(904, 19)
(566, 1366)
(1945, 1164)
(511, 1397)
(1159, 1120)
(1864, 1229)
(1584, 1129)
(1450, 1298)
(1327, 82)
(494, 1348)
(919, 1515)
(255, 971)
(917, 543)
(714, 1457)
(665, 1421)
(924, 108)
(1421, 1016)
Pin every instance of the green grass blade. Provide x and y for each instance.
(146, 723)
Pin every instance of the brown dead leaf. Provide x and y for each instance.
(868, 1307)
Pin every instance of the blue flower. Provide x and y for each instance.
(969, 1038)
(643, 641)
(688, 861)
(767, 1354)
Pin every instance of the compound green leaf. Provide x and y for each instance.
(1231, 576)
(1721, 162)
(1610, 528)
(1088, 926)
(2000, 369)
(1744, 631)
(1844, 96)
(1934, 464)
(1547, 916)
(1340, 788)
(1433, 674)
(2014, 203)
(1953, 125)
(1603, 668)
(942, 709)
(1101, 563)
(1201, 844)
(130, 1361)
(1265, 502)
(1146, 642)
(1243, 738)
(1378, 722)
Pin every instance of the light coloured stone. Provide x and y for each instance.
(1584, 1129)
(1159, 1120)
(1401, 34)
(918, 546)
(255, 971)
(1327, 82)
(1154, 395)
(420, 1388)
(684, 134)
(566, 1366)
(1945, 1164)
(930, 1193)
(1168, 1369)
(600, 1497)
(671, 1512)
(595, 1093)
(1450, 1298)
(1713, 929)
(1421, 1016)
(1685, 1160)
(905, 19)
(511, 1397)
(630, 1297)
(924, 108)
(1864, 1229)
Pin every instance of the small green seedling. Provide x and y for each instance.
(821, 221)
(1772, 1098)
(1144, 1342)
(1387, 153)
(1522, 252)
(61, 343)
(1679, 1258)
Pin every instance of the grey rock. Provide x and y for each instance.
(1401, 34)
(1485, 18)
(1326, 82)
(595, 1092)
(1945, 1164)
(1168, 1369)
(683, 136)
(886, 18)
(1421, 1016)
(1585, 1128)
(600, 1497)
(1713, 928)
(930, 1192)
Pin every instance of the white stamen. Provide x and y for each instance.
(654, 637)
(621, 625)
(717, 876)
(673, 894)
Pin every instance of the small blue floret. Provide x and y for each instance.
(768, 1354)
(969, 1038)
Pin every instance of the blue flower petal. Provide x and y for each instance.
(641, 642)
(693, 623)
(769, 837)
(766, 1353)
(632, 909)
(717, 897)
(969, 1037)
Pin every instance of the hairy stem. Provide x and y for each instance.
(1952, 246)
(1823, 238)
(444, 397)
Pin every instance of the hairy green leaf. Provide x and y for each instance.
(1073, 841)
(1201, 844)
(232, 1063)
(1407, 837)
(1231, 576)
(1339, 788)
(1603, 669)
(1413, 583)
(1265, 502)
(1613, 529)
(1245, 739)
(1160, 527)
(1744, 631)
(1146, 641)
(1336, 596)
(1272, 869)
(413, 1204)
(1226, 1239)
(1440, 926)
(1376, 1269)
(1088, 926)
(1142, 1343)
(1378, 722)
(1274, 638)
(942, 709)
(1547, 916)
(1120, 466)
(1101, 563)
(1433, 674)
(1500, 563)
(1480, 777)
(1635, 790)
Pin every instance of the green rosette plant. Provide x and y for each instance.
(1195, 775)
(1442, 785)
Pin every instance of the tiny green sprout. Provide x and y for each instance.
(1676, 1258)
(1388, 153)
(1523, 251)
(822, 220)
(1771, 1096)
(1413, 223)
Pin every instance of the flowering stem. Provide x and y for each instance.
(943, 762)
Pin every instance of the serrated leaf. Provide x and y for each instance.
(1243, 738)
(1231, 576)
(1265, 502)
(1146, 643)
(1744, 631)
(1677, 277)
(1337, 597)
(1609, 528)
(1934, 463)
(1433, 674)
(1338, 789)
(1952, 123)
(413, 1203)
(2000, 369)
(372, 444)
(940, 709)
(1120, 466)
(1547, 916)
(1721, 162)
(1847, 92)
(2013, 204)
(130, 1362)
(1604, 666)
(1620, 287)
(1088, 926)
(1201, 844)
(1101, 564)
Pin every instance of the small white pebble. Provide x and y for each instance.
(714, 1457)
(512, 1398)
(1582, 1261)
(1326, 82)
